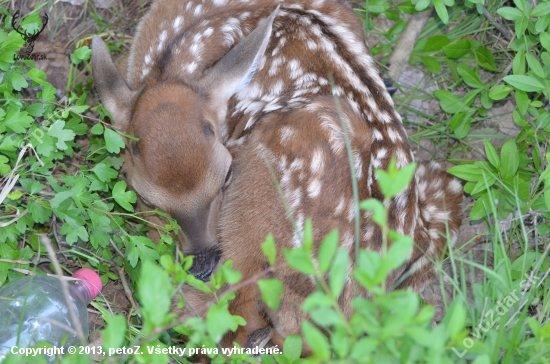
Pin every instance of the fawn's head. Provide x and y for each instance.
(180, 164)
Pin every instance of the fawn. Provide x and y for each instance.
(224, 95)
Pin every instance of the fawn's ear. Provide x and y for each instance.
(235, 69)
(115, 94)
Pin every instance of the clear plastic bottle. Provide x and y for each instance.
(33, 308)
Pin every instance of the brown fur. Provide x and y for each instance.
(246, 85)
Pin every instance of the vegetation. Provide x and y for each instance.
(60, 160)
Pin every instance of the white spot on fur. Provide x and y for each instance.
(191, 67)
(377, 135)
(314, 188)
(358, 164)
(455, 186)
(178, 22)
(295, 69)
(198, 10)
(317, 161)
(287, 133)
(340, 207)
(148, 59)
(394, 135)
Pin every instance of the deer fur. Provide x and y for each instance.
(227, 95)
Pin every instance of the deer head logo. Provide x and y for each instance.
(29, 38)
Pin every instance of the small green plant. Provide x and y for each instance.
(51, 183)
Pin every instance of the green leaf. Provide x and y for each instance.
(114, 333)
(399, 251)
(460, 124)
(469, 76)
(18, 81)
(436, 43)
(521, 25)
(547, 197)
(272, 291)
(104, 171)
(380, 215)
(406, 7)
(63, 135)
(376, 6)
(219, 321)
(59, 198)
(467, 172)
(509, 156)
(457, 49)
(230, 275)
(491, 153)
(449, 102)
(499, 92)
(16, 121)
(535, 65)
(36, 110)
(431, 64)
(292, 348)
(339, 272)
(441, 10)
(299, 260)
(509, 13)
(521, 5)
(308, 234)
(541, 9)
(524, 83)
(81, 54)
(455, 319)
(122, 197)
(327, 250)
(269, 250)
(393, 181)
(113, 141)
(142, 247)
(37, 76)
(485, 59)
(484, 183)
(154, 292)
(317, 341)
(4, 166)
(486, 102)
(481, 207)
(545, 40)
(97, 129)
(543, 120)
(542, 24)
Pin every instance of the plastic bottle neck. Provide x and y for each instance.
(80, 291)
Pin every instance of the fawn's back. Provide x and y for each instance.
(230, 98)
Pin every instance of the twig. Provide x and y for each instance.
(128, 291)
(117, 250)
(65, 288)
(497, 25)
(403, 49)
(14, 261)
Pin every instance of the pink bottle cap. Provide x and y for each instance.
(90, 279)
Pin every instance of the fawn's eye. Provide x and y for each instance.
(227, 178)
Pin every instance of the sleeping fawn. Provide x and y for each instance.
(233, 99)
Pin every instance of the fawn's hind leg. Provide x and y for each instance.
(247, 304)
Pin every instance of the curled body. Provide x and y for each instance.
(231, 99)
